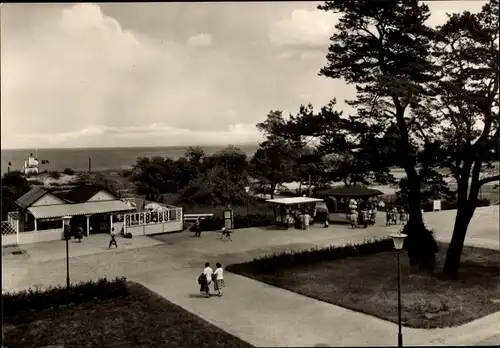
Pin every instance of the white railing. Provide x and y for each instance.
(152, 217)
(11, 226)
(7, 228)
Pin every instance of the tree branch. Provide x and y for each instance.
(487, 180)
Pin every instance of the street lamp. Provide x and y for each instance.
(66, 225)
(398, 239)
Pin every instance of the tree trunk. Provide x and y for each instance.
(465, 211)
(464, 215)
(420, 243)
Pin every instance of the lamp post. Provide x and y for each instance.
(66, 221)
(398, 239)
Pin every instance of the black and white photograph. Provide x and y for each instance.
(250, 174)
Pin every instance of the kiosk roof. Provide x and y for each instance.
(294, 200)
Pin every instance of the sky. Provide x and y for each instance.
(163, 74)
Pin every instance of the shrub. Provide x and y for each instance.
(128, 235)
(21, 303)
(36, 182)
(68, 171)
(275, 262)
(54, 174)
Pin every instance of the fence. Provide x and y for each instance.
(146, 223)
(10, 229)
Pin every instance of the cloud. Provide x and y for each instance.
(440, 9)
(75, 67)
(146, 135)
(304, 29)
(200, 40)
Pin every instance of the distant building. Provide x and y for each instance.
(31, 166)
(40, 214)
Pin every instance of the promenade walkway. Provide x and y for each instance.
(258, 313)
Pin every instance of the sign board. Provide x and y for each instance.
(228, 219)
(436, 205)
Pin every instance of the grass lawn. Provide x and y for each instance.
(368, 284)
(142, 319)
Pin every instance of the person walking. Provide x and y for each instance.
(202, 280)
(364, 214)
(208, 272)
(113, 240)
(197, 228)
(79, 233)
(219, 279)
(307, 219)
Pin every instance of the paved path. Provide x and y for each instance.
(261, 314)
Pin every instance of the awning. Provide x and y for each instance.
(87, 208)
(294, 200)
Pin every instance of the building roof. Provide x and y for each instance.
(31, 197)
(82, 194)
(294, 200)
(350, 192)
(87, 208)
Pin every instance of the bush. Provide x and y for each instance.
(128, 235)
(54, 174)
(21, 303)
(68, 171)
(277, 261)
(36, 182)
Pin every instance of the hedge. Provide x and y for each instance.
(275, 262)
(16, 304)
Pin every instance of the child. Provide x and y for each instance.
(226, 233)
(113, 240)
(219, 279)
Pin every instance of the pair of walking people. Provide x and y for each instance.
(210, 276)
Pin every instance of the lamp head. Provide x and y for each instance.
(398, 239)
(66, 220)
(247, 189)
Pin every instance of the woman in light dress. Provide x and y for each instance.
(219, 279)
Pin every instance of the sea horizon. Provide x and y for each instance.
(128, 147)
(104, 158)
